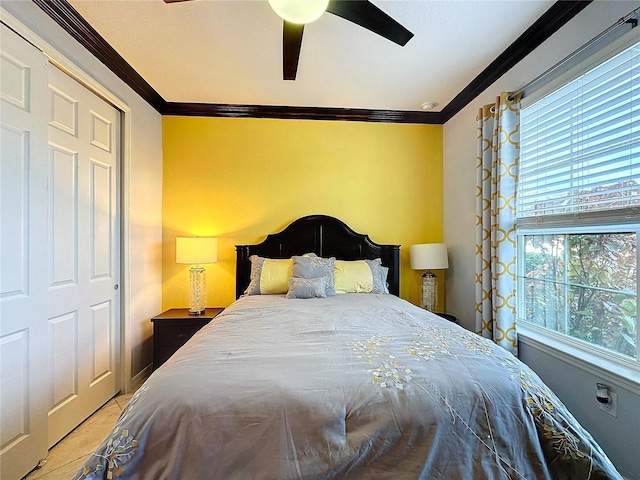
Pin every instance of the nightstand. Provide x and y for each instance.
(451, 318)
(172, 329)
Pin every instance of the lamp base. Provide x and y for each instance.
(198, 300)
(429, 291)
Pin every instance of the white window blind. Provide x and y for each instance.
(580, 148)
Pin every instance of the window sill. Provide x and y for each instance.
(626, 376)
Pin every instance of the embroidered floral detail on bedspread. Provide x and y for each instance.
(382, 351)
(118, 449)
(430, 341)
(389, 371)
(392, 357)
(548, 412)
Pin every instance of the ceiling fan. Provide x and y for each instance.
(296, 13)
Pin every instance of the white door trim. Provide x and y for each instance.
(62, 62)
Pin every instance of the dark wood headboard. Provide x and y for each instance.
(326, 237)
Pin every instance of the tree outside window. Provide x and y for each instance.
(584, 285)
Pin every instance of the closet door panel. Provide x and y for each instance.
(84, 249)
(25, 375)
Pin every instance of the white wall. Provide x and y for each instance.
(142, 207)
(619, 437)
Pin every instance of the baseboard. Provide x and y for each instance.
(141, 377)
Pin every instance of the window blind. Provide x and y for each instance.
(580, 147)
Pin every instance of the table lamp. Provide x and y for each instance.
(196, 251)
(429, 256)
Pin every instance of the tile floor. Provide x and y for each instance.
(68, 455)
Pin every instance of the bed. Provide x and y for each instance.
(320, 384)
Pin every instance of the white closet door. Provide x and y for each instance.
(25, 373)
(84, 252)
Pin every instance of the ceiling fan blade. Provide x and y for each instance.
(367, 15)
(175, 1)
(291, 43)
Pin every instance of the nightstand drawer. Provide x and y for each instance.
(164, 353)
(174, 327)
(176, 336)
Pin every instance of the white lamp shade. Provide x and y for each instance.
(299, 11)
(428, 256)
(196, 250)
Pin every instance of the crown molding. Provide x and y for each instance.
(73, 23)
(550, 22)
(300, 113)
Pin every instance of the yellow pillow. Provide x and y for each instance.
(275, 276)
(269, 276)
(352, 276)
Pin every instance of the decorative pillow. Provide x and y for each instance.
(359, 276)
(307, 287)
(312, 266)
(384, 274)
(379, 277)
(269, 276)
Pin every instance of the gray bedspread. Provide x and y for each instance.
(353, 386)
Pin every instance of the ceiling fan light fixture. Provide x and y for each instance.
(299, 11)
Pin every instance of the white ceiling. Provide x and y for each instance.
(230, 51)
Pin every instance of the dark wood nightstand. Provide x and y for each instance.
(172, 329)
(451, 318)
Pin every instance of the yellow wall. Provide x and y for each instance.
(239, 179)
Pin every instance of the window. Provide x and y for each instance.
(578, 211)
(583, 285)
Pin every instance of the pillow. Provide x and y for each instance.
(384, 273)
(307, 287)
(312, 266)
(269, 276)
(359, 276)
(379, 276)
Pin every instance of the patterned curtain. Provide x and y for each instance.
(497, 166)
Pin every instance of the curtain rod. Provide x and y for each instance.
(583, 50)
